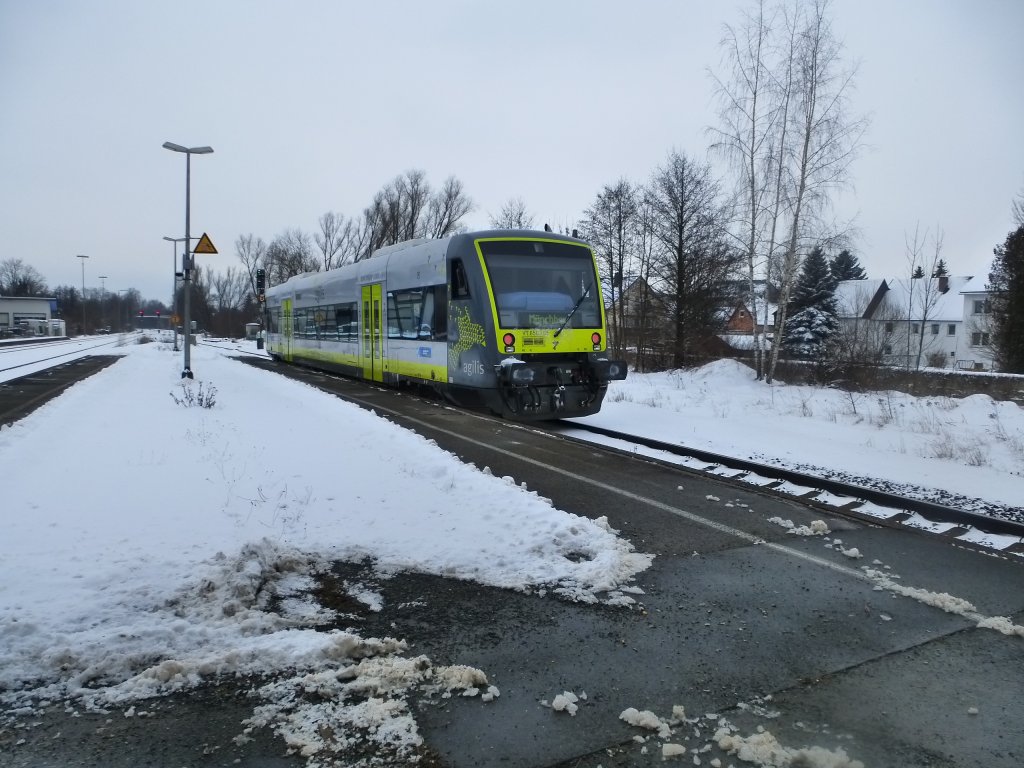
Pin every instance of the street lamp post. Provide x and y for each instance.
(123, 322)
(103, 300)
(187, 256)
(83, 257)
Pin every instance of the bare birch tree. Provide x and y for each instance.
(923, 253)
(824, 139)
(749, 106)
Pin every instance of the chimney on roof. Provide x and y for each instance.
(943, 283)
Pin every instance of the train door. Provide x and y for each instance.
(287, 328)
(372, 330)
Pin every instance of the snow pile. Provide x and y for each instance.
(763, 749)
(193, 545)
(943, 600)
(816, 528)
(566, 702)
(345, 711)
(646, 719)
(760, 748)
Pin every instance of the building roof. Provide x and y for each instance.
(906, 297)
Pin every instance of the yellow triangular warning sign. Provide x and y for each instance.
(205, 245)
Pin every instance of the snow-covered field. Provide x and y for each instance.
(966, 452)
(151, 543)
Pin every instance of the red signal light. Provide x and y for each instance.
(596, 338)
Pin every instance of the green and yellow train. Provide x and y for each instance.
(508, 320)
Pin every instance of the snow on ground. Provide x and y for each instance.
(934, 447)
(149, 545)
(180, 542)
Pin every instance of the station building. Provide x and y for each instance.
(29, 316)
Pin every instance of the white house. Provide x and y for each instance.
(937, 321)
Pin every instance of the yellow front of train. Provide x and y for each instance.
(548, 324)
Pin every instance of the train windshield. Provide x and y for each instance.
(538, 284)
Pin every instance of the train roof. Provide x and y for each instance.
(411, 248)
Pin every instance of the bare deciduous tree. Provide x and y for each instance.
(447, 209)
(290, 254)
(251, 251)
(513, 215)
(406, 209)
(1018, 209)
(20, 279)
(609, 225)
(692, 256)
(335, 230)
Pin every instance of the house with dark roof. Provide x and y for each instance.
(937, 321)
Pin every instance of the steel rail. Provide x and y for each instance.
(930, 510)
(55, 357)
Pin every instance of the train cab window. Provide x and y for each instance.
(460, 284)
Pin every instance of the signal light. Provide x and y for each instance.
(509, 341)
(596, 338)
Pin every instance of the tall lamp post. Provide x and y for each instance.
(174, 289)
(187, 256)
(120, 309)
(103, 300)
(83, 257)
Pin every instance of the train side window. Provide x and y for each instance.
(460, 285)
(346, 321)
(405, 313)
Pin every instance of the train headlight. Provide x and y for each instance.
(596, 338)
(509, 341)
(522, 374)
(610, 370)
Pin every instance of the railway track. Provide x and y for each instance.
(77, 350)
(1002, 530)
(19, 397)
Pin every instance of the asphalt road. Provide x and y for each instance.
(734, 610)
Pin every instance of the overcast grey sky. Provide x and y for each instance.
(314, 106)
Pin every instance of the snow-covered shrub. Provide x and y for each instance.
(203, 398)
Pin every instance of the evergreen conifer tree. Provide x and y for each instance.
(918, 273)
(940, 269)
(1006, 281)
(845, 266)
(812, 310)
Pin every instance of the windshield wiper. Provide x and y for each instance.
(573, 310)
